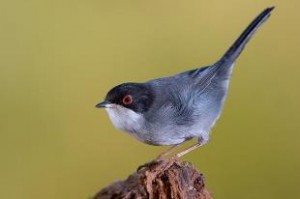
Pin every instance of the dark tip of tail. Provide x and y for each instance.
(270, 8)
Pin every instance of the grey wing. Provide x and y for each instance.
(208, 93)
(206, 81)
(200, 78)
(174, 101)
(183, 105)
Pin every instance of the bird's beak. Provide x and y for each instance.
(104, 104)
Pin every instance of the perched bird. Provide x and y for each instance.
(174, 109)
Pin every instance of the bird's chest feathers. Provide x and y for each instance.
(125, 119)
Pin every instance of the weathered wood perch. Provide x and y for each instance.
(164, 179)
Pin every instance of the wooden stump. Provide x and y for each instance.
(159, 179)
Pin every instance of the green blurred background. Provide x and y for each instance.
(59, 58)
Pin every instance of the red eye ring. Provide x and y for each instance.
(127, 99)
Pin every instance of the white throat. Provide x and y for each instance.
(125, 119)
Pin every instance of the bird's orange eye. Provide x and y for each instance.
(127, 99)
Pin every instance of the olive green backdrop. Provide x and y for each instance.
(58, 59)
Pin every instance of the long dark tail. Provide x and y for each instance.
(237, 47)
(223, 67)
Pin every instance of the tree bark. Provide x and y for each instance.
(159, 179)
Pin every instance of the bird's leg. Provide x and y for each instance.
(191, 148)
(168, 151)
(200, 142)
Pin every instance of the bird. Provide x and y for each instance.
(169, 111)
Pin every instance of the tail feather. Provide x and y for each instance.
(237, 47)
(222, 69)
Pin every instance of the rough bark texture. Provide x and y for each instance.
(162, 179)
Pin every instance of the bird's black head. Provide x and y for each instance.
(135, 96)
